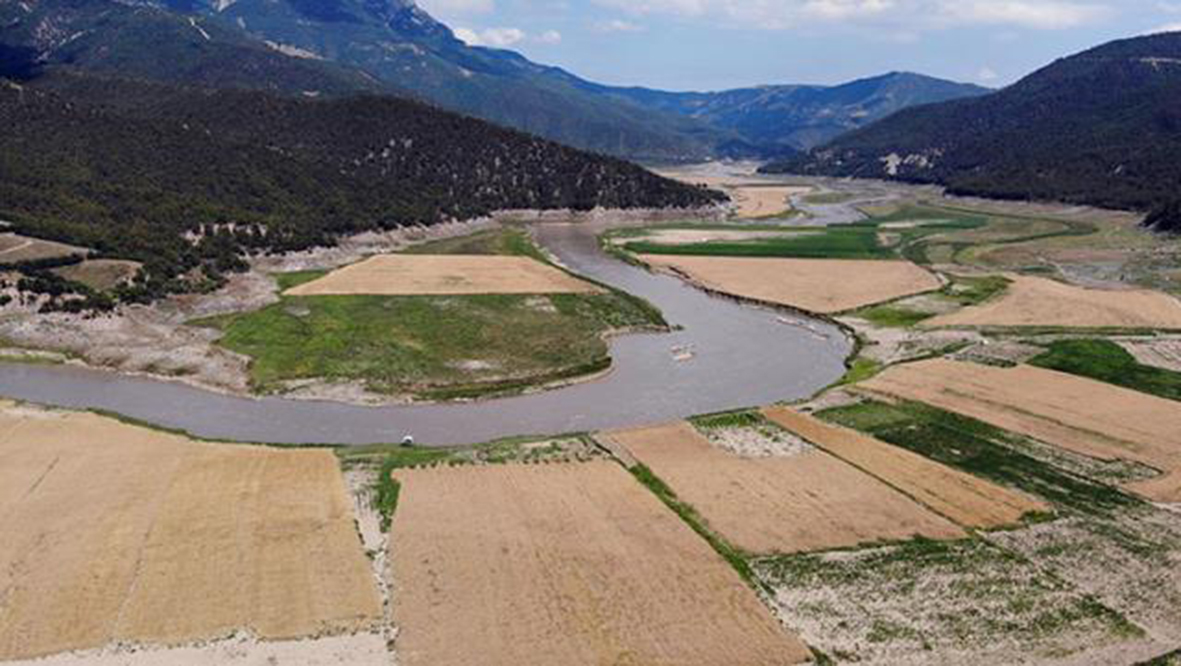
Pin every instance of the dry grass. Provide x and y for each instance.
(118, 533)
(564, 564)
(14, 248)
(816, 285)
(755, 201)
(100, 274)
(966, 499)
(410, 275)
(1034, 301)
(810, 501)
(1081, 415)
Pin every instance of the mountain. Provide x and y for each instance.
(185, 179)
(334, 47)
(799, 117)
(1102, 127)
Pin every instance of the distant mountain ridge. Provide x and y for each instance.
(334, 47)
(1102, 127)
(803, 116)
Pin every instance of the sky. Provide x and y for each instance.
(720, 44)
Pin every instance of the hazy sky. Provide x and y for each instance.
(714, 44)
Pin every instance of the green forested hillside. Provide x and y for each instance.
(1102, 127)
(183, 179)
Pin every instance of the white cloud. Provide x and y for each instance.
(550, 37)
(618, 25)
(503, 38)
(457, 7)
(909, 15)
(987, 74)
(1168, 27)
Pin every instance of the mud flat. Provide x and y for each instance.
(564, 564)
(966, 499)
(1081, 415)
(410, 275)
(119, 534)
(806, 502)
(826, 286)
(1035, 301)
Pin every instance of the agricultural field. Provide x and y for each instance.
(545, 564)
(435, 347)
(1110, 362)
(1036, 301)
(805, 501)
(444, 275)
(815, 285)
(1081, 415)
(119, 534)
(15, 249)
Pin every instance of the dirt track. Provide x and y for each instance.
(817, 285)
(564, 564)
(1035, 301)
(119, 533)
(810, 501)
(422, 274)
(1081, 415)
(966, 499)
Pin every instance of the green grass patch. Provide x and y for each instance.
(1108, 362)
(293, 279)
(745, 418)
(892, 316)
(688, 514)
(980, 449)
(503, 241)
(960, 290)
(828, 198)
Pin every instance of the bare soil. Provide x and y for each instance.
(816, 285)
(119, 534)
(404, 274)
(564, 564)
(1082, 415)
(1035, 301)
(966, 499)
(1164, 353)
(810, 501)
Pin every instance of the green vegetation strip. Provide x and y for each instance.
(980, 449)
(688, 514)
(1106, 361)
(961, 291)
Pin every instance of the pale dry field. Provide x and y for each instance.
(115, 533)
(101, 274)
(1081, 415)
(1165, 354)
(564, 564)
(966, 499)
(755, 201)
(806, 502)
(1035, 301)
(816, 285)
(14, 248)
(424, 274)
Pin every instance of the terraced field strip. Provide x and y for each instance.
(966, 499)
(449, 274)
(564, 564)
(115, 533)
(817, 285)
(1036, 301)
(805, 502)
(1081, 415)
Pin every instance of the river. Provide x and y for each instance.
(724, 355)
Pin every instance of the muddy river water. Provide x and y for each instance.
(725, 355)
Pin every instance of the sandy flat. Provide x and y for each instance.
(451, 274)
(1035, 301)
(754, 201)
(816, 285)
(1082, 415)
(351, 650)
(966, 499)
(119, 533)
(694, 236)
(521, 565)
(810, 501)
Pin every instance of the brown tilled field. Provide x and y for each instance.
(805, 502)
(15, 248)
(115, 533)
(564, 564)
(451, 274)
(816, 285)
(966, 499)
(1035, 301)
(1081, 415)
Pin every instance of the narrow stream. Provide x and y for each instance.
(726, 355)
